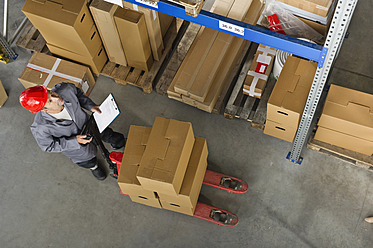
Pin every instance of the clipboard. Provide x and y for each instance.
(109, 111)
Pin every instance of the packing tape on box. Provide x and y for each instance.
(135, 7)
(267, 50)
(264, 59)
(256, 76)
(52, 72)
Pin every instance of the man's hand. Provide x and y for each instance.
(82, 139)
(96, 109)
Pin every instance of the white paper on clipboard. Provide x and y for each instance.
(109, 111)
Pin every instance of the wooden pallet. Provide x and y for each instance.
(355, 158)
(246, 107)
(146, 80)
(31, 39)
(192, 7)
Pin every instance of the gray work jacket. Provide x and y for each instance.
(54, 135)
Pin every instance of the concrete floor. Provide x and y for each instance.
(47, 201)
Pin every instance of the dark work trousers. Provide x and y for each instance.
(115, 139)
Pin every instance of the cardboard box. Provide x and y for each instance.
(103, 14)
(177, 208)
(165, 22)
(193, 178)
(320, 28)
(134, 37)
(261, 67)
(279, 131)
(198, 51)
(318, 7)
(164, 162)
(3, 95)
(153, 27)
(288, 98)
(150, 201)
(43, 69)
(95, 63)
(65, 24)
(348, 111)
(135, 147)
(344, 140)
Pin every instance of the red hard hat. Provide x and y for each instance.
(34, 98)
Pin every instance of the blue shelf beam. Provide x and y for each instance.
(243, 30)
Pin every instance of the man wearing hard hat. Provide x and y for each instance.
(59, 120)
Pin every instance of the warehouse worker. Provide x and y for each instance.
(58, 122)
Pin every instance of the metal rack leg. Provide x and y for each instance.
(5, 23)
(334, 40)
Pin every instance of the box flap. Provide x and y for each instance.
(343, 96)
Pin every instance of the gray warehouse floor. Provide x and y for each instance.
(47, 201)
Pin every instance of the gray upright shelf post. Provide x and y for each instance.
(333, 43)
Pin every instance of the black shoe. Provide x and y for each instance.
(99, 173)
(119, 144)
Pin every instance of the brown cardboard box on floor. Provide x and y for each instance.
(153, 27)
(3, 95)
(164, 162)
(344, 140)
(43, 69)
(65, 24)
(103, 14)
(261, 67)
(192, 183)
(348, 111)
(96, 63)
(288, 98)
(134, 37)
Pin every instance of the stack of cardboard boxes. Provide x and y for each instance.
(347, 120)
(132, 35)
(163, 166)
(261, 67)
(69, 30)
(288, 98)
(213, 54)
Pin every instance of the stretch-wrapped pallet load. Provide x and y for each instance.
(288, 98)
(210, 59)
(347, 120)
(69, 30)
(261, 67)
(43, 69)
(315, 13)
(163, 166)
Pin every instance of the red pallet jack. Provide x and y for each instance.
(213, 179)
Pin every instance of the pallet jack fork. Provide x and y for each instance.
(203, 211)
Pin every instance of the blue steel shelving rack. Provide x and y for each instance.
(323, 55)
